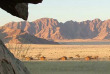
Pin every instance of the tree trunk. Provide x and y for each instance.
(9, 64)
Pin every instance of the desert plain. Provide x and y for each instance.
(54, 52)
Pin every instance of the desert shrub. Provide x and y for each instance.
(20, 51)
(78, 56)
(70, 58)
(38, 56)
(95, 57)
(63, 58)
(42, 58)
(28, 58)
(88, 58)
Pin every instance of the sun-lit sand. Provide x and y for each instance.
(57, 51)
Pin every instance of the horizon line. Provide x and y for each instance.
(60, 21)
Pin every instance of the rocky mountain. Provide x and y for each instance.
(8, 35)
(51, 29)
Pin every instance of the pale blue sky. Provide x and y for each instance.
(64, 10)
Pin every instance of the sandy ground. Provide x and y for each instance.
(57, 51)
(83, 40)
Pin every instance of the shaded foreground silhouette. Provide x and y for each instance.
(8, 63)
(17, 8)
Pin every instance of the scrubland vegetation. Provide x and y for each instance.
(60, 52)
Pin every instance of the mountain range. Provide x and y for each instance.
(17, 36)
(51, 29)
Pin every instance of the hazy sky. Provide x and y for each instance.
(63, 10)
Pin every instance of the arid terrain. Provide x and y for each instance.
(54, 52)
(17, 36)
(52, 29)
(47, 30)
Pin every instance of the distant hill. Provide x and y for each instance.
(51, 29)
(8, 35)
